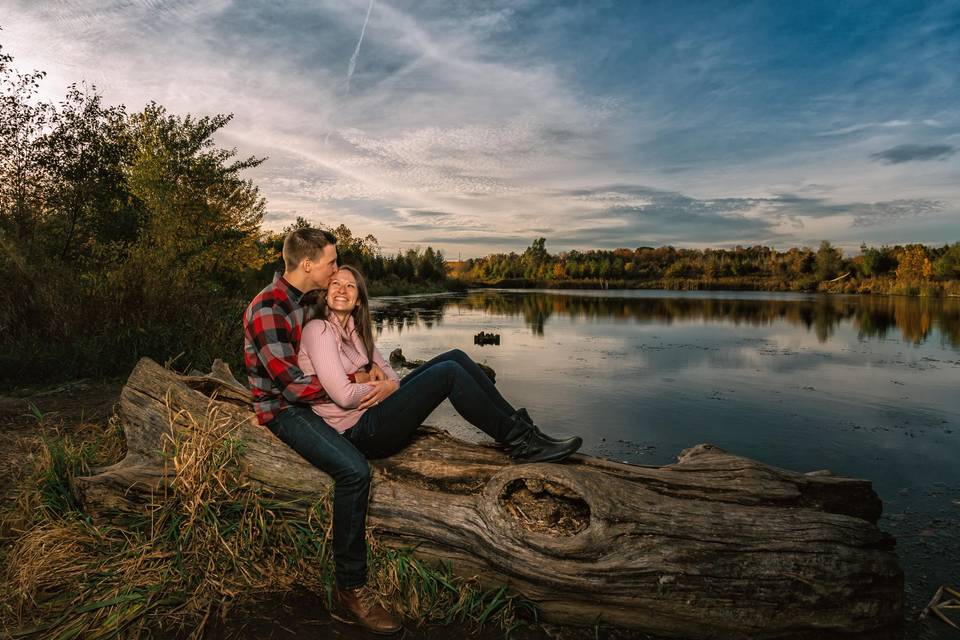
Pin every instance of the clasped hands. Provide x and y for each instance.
(383, 387)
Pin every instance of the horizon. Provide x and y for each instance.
(595, 125)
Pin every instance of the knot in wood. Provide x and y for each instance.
(545, 506)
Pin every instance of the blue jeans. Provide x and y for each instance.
(382, 431)
(388, 427)
(322, 446)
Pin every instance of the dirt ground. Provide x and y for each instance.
(69, 407)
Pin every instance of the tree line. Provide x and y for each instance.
(910, 269)
(128, 233)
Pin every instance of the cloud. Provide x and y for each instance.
(862, 126)
(914, 152)
(868, 215)
(483, 125)
(420, 213)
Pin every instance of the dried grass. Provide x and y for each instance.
(210, 540)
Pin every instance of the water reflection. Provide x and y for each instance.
(873, 317)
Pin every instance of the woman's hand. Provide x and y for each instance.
(376, 374)
(382, 390)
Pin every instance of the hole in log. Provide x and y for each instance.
(545, 507)
(222, 391)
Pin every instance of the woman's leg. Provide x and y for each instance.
(465, 361)
(388, 427)
(306, 433)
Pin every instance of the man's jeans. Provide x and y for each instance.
(382, 431)
(322, 446)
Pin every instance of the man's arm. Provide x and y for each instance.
(271, 335)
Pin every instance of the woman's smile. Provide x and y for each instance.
(342, 294)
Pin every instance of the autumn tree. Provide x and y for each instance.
(914, 265)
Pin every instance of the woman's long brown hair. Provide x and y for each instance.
(362, 322)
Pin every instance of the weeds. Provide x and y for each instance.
(208, 541)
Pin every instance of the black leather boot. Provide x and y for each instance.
(523, 415)
(525, 443)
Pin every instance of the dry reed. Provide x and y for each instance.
(209, 540)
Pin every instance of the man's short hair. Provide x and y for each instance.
(305, 243)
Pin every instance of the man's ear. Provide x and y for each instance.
(306, 264)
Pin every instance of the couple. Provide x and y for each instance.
(321, 386)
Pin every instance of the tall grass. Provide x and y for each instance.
(210, 540)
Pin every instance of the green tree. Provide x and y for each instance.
(947, 265)
(23, 125)
(876, 262)
(828, 261)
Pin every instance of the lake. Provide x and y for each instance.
(866, 386)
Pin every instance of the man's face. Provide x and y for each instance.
(322, 269)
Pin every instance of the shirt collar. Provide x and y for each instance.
(294, 294)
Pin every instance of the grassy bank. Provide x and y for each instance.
(881, 286)
(209, 543)
(396, 287)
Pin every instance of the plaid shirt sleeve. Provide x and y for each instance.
(273, 340)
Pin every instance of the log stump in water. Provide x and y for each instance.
(713, 546)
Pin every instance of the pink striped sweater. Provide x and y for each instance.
(330, 352)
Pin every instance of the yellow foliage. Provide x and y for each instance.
(914, 264)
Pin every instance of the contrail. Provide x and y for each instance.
(356, 52)
(352, 66)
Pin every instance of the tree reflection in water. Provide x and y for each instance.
(873, 316)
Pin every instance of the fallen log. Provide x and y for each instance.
(713, 546)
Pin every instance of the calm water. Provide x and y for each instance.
(864, 386)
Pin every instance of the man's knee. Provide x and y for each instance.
(458, 355)
(355, 474)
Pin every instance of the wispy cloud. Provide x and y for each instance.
(914, 153)
(478, 126)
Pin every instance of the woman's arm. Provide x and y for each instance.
(321, 345)
(384, 365)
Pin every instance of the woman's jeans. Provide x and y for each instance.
(388, 427)
(382, 431)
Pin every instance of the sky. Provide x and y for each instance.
(476, 126)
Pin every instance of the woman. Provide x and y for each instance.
(339, 344)
(377, 419)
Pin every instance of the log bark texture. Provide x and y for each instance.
(713, 546)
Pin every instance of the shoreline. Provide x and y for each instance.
(926, 290)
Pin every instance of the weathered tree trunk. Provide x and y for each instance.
(713, 546)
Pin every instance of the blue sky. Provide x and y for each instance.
(477, 126)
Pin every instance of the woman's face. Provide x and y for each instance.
(342, 292)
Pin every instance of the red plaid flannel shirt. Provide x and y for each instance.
(271, 338)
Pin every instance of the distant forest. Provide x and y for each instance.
(912, 269)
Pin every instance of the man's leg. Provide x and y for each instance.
(306, 433)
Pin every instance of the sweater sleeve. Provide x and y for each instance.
(379, 360)
(321, 345)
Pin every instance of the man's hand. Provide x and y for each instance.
(376, 374)
(381, 391)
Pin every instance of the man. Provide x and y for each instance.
(282, 395)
